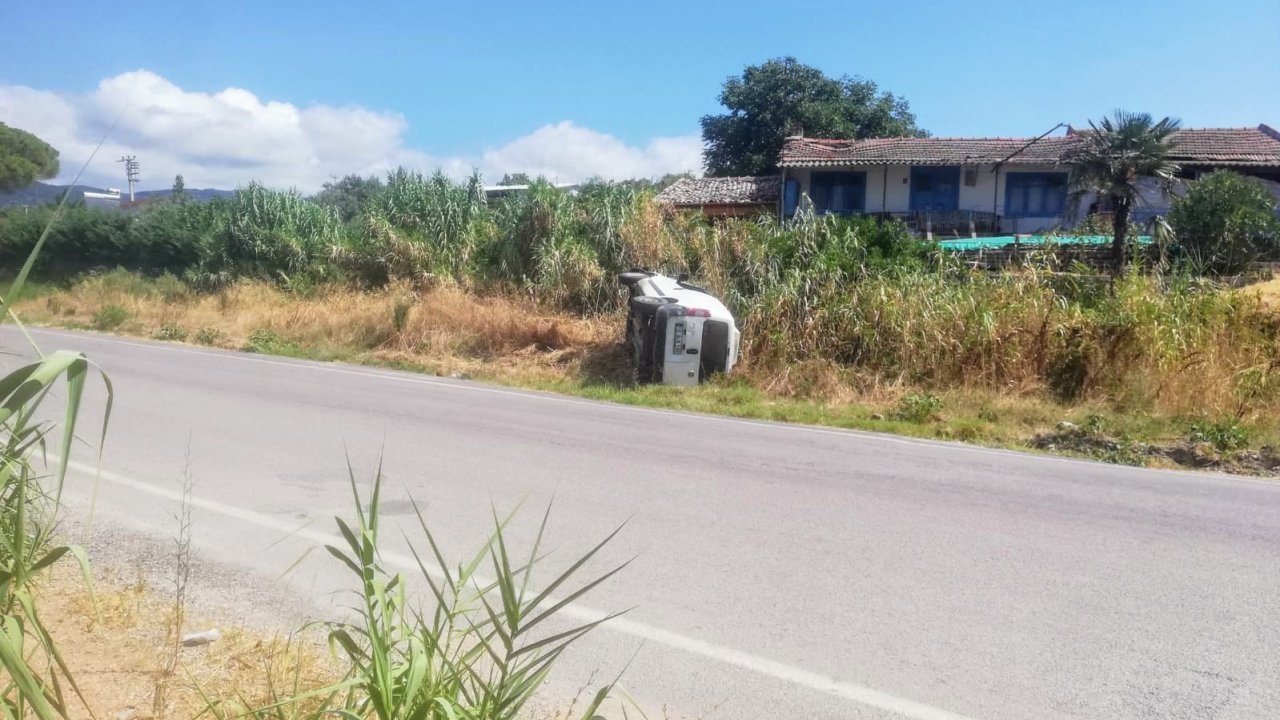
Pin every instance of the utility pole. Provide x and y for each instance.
(130, 172)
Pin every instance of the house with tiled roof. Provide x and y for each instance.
(725, 196)
(984, 185)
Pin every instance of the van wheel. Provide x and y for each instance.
(647, 305)
(631, 277)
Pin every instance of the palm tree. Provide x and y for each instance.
(1109, 159)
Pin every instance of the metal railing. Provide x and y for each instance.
(944, 224)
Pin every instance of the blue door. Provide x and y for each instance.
(935, 189)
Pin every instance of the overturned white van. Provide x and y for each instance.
(678, 334)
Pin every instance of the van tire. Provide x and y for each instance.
(631, 277)
(646, 305)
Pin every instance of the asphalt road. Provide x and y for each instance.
(781, 571)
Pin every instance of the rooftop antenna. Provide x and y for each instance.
(130, 172)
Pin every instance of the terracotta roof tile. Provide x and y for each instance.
(722, 191)
(814, 152)
(1227, 146)
(1209, 146)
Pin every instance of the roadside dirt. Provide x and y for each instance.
(128, 665)
(1264, 462)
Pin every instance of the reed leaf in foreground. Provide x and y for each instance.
(34, 670)
(477, 650)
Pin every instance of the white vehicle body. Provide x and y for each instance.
(679, 333)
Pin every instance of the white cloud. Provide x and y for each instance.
(567, 152)
(231, 137)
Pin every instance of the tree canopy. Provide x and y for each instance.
(782, 96)
(350, 195)
(24, 158)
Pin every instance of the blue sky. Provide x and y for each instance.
(471, 85)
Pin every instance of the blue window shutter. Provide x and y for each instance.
(1034, 194)
(790, 197)
(838, 192)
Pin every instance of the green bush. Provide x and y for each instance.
(207, 336)
(918, 407)
(171, 289)
(1225, 221)
(1225, 435)
(110, 317)
(171, 332)
(268, 342)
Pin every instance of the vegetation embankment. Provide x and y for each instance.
(846, 322)
(473, 640)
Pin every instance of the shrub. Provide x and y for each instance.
(110, 317)
(1225, 435)
(172, 332)
(207, 336)
(918, 407)
(400, 312)
(268, 342)
(171, 289)
(1225, 221)
(1094, 224)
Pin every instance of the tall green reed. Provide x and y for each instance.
(459, 645)
(35, 670)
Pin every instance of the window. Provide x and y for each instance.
(1029, 194)
(790, 197)
(843, 193)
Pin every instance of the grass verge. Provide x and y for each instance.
(509, 340)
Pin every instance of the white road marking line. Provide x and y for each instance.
(547, 397)
(859, 694)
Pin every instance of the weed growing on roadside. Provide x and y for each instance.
(918, 407)
(110, 317)
(268, 342)
(207, 336)
(171, 332)
(1224, 435)
(400, 312)
(181, 580)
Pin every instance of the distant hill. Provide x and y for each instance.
(42, 193)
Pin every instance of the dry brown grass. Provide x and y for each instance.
(118, 652)
(1268, 293)
(443, 327)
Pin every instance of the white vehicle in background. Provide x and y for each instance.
(678, 334)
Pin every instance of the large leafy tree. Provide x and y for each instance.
(350, 196)
(1111, 157)
(24, 158)
(782, 96)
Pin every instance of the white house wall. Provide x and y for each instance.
(985, 195)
